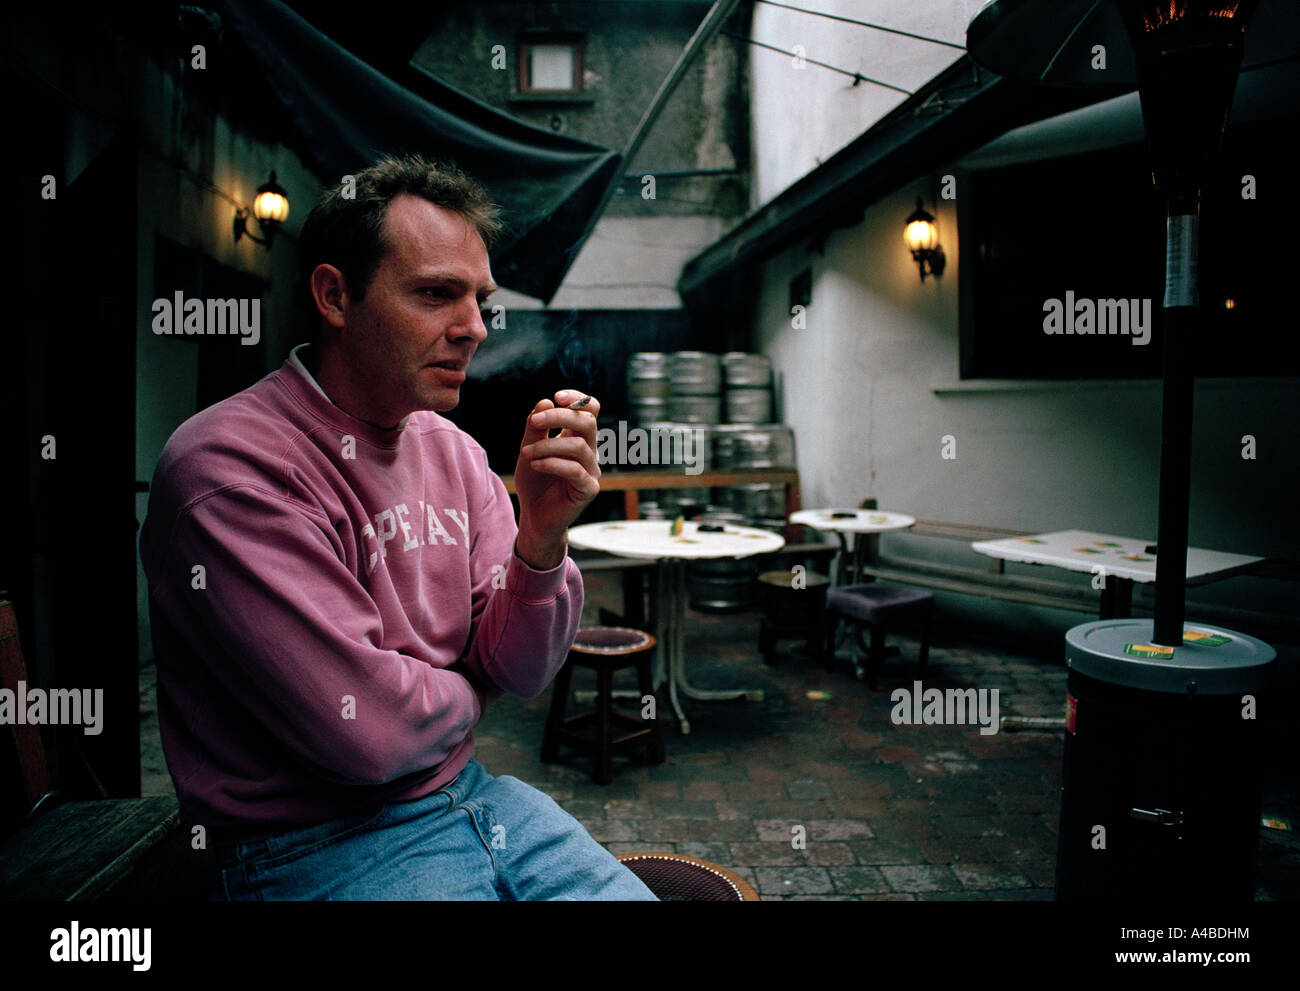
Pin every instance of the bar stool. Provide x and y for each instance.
(792, 605)
(604, 649)
(876, 605)
(675, 877)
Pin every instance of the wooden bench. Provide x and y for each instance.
(72, 850)
(85, 849)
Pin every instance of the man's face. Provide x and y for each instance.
(408, 342)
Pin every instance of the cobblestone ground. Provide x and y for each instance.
(887, 812)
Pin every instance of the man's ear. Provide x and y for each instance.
(329, 290)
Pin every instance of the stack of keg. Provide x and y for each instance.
(687, 387)
(757, 445)
(647, 386)
(749, 387)
(696, 382)
(681, 391)
(680, 447)
(675, 400)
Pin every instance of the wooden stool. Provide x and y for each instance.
(876, 605)
(792, 605)
(604, 649)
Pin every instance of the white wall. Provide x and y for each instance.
(800, 117)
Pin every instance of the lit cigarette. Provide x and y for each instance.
(580, 403)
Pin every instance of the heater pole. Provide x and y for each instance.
(1181, 320)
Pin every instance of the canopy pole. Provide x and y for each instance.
(717, 14)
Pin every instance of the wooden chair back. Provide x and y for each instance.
(23, 769)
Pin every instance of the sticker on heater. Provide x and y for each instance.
(1148, 650)
(1204, 638)
(1180, 261)
(1071, 713)
(1275, 822)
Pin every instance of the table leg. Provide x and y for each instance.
(663, 621)
(838, 580)
(842, 559)
(679, 609)
(671, 609)
(1116, 598)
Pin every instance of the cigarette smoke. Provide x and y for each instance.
(574, 363)
(511, 354)
(528, 346)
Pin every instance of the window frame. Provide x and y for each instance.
(534, 39)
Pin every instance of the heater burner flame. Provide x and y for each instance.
(1163, 15)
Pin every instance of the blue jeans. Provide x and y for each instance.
(478, 838)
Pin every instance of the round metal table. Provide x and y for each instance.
(855, 521)
(653, 540)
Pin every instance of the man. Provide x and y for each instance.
(338, 585)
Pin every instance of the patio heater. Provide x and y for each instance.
(1161, 785)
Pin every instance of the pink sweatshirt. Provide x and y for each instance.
(316, 584)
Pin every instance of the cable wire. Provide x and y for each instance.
(856, 76)
(865, 24)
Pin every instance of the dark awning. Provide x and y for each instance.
(348, 114)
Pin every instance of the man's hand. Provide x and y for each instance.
(555, 477)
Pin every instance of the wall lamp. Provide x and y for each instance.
(922, 239)
(270, 209)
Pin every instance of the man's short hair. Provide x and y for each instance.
(347, 232)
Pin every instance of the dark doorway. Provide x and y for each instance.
(69, 563)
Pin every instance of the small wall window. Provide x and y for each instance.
(550, 63)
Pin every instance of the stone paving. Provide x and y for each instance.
(814, 798)
(884, 812)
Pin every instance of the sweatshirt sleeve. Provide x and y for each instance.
(257, 585)
(524, 621)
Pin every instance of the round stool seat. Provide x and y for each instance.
(876, 605)
(792, 604)
(876, 602)
(612, 640)
(675, 877)
(605, 650)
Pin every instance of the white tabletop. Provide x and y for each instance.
(653, 539)
(1123, 557)
(861, 520)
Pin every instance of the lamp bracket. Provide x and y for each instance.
(241, 229)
